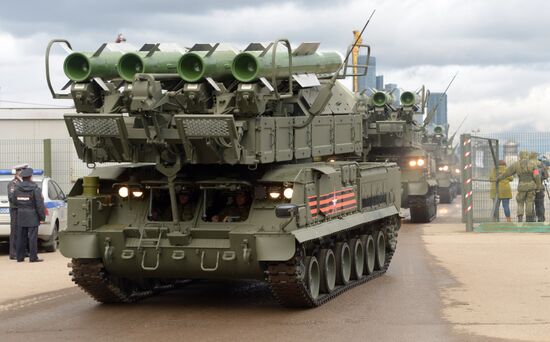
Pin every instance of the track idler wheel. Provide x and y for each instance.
(357, 258)
(327, 266)
(313, 276)
(380, 243)
(343, 263)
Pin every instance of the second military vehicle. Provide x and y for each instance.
(221, 179)
(393, 135)
(447, 174)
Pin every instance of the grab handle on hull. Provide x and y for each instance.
(150, 268)
(208, 269)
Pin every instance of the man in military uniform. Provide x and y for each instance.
(236, 212)
(539, 194)
(30, 211)
(13, 209)
(185, 206)
(529, 182)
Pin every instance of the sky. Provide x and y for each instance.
(499, 48)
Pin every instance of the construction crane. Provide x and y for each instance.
(355, 58)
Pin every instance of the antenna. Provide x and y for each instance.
(432, 112)
(456, 131)
(325, 93)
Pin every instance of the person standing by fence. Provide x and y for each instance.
(540, 193)
(529, 182)
(504, 191)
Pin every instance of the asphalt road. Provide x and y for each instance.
(403, 305)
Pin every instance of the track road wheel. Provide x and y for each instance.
(312, 276)
(380, 243)
(370, 253)
(357, 258)
(327, 266)
(343, 263)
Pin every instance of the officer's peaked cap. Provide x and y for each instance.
(21, 167)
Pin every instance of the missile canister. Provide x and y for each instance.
(138, 62)
(250, 66)
(196, 65)
(381, 98)
(408, 98)
(82, 66)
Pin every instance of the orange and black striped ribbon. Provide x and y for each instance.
(334, 202)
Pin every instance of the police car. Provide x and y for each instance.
(54, 201)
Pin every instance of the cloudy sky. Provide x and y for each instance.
(500, 48)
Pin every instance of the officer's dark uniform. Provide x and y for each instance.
(13, 211)
(30, 211)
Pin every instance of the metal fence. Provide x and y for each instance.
(478, 162)
(57, 156)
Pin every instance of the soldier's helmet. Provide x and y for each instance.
(523, 155)
(533, 155)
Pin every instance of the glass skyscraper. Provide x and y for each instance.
(439, 100)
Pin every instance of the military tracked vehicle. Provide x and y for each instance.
(232, 165)
(447, 173)
(393, 135)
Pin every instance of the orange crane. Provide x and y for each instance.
(355, 58)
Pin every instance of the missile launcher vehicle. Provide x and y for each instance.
(230, 165)
(394, 136)
(447, 174)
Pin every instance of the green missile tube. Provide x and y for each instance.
(381, 98)
(249, 66)
(159, 62)
(82, 66)
(196, 65)
(408, 98)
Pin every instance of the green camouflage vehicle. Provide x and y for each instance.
(447, 174)
(232, 165)
(393, 135)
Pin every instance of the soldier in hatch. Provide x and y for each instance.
(237, 211)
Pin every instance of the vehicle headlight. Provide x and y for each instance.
(446, 168)
(420, 162)
(457, 171)
(136, 193)
(440, 168)
(274, 194)
(412, 163)
(288, 192)
(123, 191)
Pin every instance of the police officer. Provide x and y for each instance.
(529, 182)
(13, 209)
(30, 211)
(539, 194)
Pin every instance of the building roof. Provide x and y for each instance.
(34, 113)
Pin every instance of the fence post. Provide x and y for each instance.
(466, 178)
(48, 157)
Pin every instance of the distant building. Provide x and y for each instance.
(380, 82)
(394, 90)
(438, 100)
(369, 81)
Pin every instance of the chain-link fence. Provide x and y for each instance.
(58, 155)
(480, 157)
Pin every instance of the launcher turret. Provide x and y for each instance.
(210, 105)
